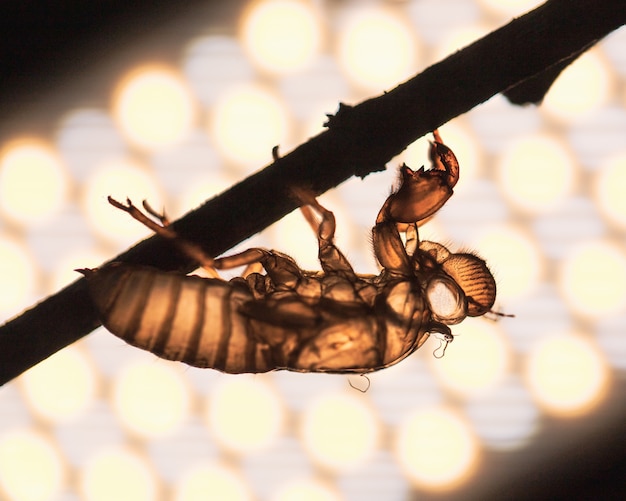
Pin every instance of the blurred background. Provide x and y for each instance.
(174, 103)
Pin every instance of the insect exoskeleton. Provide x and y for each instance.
(278, 316)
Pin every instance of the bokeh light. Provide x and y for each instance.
(280, 36)
(339, 431)
(151, 399)
(153, 107)
(510, 7)
(584, 85)
(609, 190)
(476, 361)
(506, 417)
(62, 386)
(212, 481)
(567, 374)
(436, 448)
(17, 269)
(31, 468)
(305, 490)
(592, 279)
(65, 270)
(244, 414)
(513, 258)
(33, 182)
(118, 473)
(247, 123)
(376, 49)
(121, 179)
(536, 173)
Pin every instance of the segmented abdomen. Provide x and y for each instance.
(183, 318)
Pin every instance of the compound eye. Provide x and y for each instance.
(475, 280)
(446, 299)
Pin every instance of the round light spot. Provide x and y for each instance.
(339, 431)
(376, 49)
(505, 418)
(510, 7)
(201, 190)
(33, 182)
(609, 190)
(212, 481)
(513, 258)
(244, 414)
(592, 279)
(60, 387)
(153, 108)
(305, 490)
(476, 360)
(17, 270)
(151, 399)
(436, 449)
(584, 85)
(246, 123)
(64, 273)
(120, 474)
(31, 468)
(536, 173)
(120, 179)
(280, 36)
(567, 375)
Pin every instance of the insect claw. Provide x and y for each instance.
(158, 215)
(275, 154)
(118, 205)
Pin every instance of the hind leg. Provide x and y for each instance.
(331, 258)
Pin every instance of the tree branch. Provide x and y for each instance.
(360, 140)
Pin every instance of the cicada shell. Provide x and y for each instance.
(277, 316)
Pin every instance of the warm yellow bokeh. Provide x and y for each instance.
(65, 268)
(476, 360)
(458, 39)
(30, 467)
(280, 36)
(592, 279)
(510, 7)
(436, 448)
(62, 386)
(118, 473)
(153, 107)
(376, 49)
(121, 179)
(305, 490)
(339, 431)
(536, 173)
(212, 481)
(17, 269)
(244, 414)
(151, 399)
(584, 85)
(246, 123)
(609, 186)
(513, 258)
(567, 374)
(33, 182)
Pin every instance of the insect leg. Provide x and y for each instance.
(331, 258)
(163, 229)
